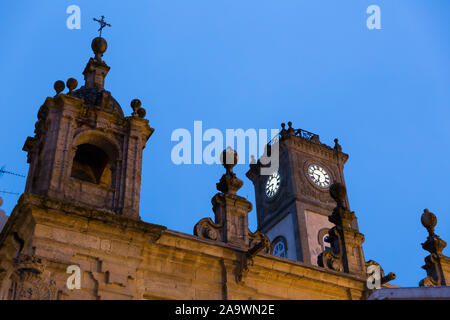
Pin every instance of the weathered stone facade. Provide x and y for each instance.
(81, 208)
(122, 258)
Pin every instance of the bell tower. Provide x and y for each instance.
(293, 203)
(85, 151)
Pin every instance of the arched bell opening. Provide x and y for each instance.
(92, 164)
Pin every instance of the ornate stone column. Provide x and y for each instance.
(231, 211)
(346, 254)
(231, 219)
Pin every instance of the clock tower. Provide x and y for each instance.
(293, 202)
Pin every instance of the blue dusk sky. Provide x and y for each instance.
(255, 64)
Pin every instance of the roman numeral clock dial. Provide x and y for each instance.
(272, 185)
(319, 176)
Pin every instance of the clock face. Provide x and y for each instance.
(319, 176)
(272, 185)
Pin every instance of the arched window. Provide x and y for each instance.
(91, 164)
(279, 247)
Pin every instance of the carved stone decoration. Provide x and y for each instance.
(35, 287)
(257, 238)
(31, 281)
(384, 278)
(435, 275)
(229, 183)
(138, 111)
(231, 211)
(72, 84)
(59, 86)
(207, 229)
(337, 146)
(332, 259)
(259, 242)
(436, 263)
(346, 243)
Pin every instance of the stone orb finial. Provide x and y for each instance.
(337, 146)
(428, 220)
(229, 158)
(59, 86)
(291, 130)
(72, 84)
(99, 46)
(338, 193)
(135, 104)
(141, 113)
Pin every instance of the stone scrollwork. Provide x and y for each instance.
(332, 259)
(434, 276)
(259, 238)
(207, 229)
(345, 254)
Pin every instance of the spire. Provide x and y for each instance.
(96, 69)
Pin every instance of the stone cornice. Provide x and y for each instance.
(30, 202)
(265, 261)
(314, 146)
(308, 145)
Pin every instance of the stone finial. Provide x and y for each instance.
(429, 221)
(229, 158)
(346, 254)
(72, 84)
(337, 146)
(99, 46)
(437, 265)
(229, 183)
(141, 113)
(291, 130)
(59, 86)
(433, 244)
(135, 105)
(138, 111)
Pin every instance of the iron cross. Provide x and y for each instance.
(102, 24)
